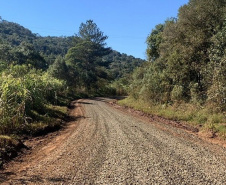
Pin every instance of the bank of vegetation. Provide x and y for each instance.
(185, 78)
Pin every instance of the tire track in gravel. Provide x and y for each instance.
(111, 147)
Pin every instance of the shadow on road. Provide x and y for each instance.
(5, 176)
(110, 98)
(84, 103)
(32, 179)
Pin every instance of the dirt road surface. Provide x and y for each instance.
(107, 146)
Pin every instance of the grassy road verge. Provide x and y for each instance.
(195, 115)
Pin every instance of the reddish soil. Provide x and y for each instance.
(40, 147)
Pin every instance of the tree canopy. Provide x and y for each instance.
(188, 56)
(85, 56)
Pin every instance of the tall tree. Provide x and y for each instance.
(86, 55)
(90, 32)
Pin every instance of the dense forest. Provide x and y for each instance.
(187, 65)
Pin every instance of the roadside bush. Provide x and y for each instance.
(217, 54)
(121, 86)
(21, 90)
(177, 93)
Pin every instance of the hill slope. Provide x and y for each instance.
(49, 47)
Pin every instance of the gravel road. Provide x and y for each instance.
(112, 147)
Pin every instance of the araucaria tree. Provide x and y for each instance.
(85, 57)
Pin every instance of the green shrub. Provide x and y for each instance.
(21, 90)
(222, 130)
(177, 93)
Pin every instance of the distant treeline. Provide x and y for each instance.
(14, 37)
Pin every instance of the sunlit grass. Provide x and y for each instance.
(192, 114)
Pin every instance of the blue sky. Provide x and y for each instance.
(127, 23)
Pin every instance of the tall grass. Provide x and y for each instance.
(22, 90)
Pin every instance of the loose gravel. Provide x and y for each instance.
(111, 147)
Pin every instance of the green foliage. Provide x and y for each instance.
(52, 47)
(185, 79)
(85, 58)
(120, 65)
(177, 93)
(22, 54)
(26, 54)
(90, 32)
(188, 62)
(21, 90)
(121, 86)
(137, 82)
(153, 42)
(3, 66)
(150, 84)
(192, 114)
(14, 33)
(59, 69)
(19, 45)
(45, 48)
(217, 68)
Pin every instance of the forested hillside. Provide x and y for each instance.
(122, 65)
(13, 35)
(187, 66)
